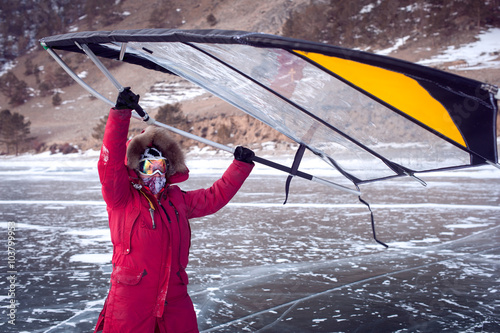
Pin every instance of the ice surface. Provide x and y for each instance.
(258, 265)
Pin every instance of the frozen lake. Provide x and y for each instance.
(258, 265)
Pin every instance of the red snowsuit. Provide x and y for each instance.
(149, 282)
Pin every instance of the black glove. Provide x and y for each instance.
(127, 100)
(243, 154)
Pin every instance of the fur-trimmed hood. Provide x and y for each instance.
(158, 137)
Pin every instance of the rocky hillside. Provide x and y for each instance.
(426, 28)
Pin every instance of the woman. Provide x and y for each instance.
(148, 220)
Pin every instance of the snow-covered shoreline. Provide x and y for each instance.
(201, 162)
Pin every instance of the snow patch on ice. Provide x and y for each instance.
(316, 321)
(467, 225)
(90, 237)
(92, 258)
(414, 243)
(92, 232)
(28, 226)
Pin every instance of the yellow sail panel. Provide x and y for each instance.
(398, 90)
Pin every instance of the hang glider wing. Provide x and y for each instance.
(371, 117)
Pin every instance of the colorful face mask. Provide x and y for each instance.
(155, 183)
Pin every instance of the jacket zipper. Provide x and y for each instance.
(175, 210)
(152, 212)
(180, 234)
(165, 211)
(151, 209)
(180, 238)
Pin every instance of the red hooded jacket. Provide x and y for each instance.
(151, 238)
